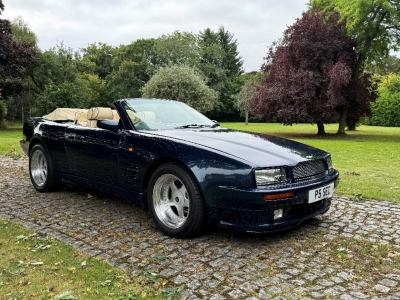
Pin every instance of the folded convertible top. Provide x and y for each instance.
(64, 114)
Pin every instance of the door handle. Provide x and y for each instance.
(71, 136)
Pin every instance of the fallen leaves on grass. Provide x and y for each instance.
(65, 296)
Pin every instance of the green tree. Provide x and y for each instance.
(21, 32)
(139, 51)
(131, 66)
(249, 89)
(183, 84)
(125, 83)
(213, 57)
(231, 62)
(389, 65)
(96, 88)
(211, 60)
(178, 48)
(374, 25)
(221, 64)
(65, 94)
(59, 81)
(101, 55)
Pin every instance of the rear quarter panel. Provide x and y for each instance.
(51, 135)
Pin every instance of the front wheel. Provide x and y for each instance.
(175, 201)
(41, 169)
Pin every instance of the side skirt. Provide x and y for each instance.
(130, 195)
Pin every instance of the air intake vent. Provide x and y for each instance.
(309, 169)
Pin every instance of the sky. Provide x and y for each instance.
(255, 24)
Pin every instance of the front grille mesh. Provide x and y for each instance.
(309, 169)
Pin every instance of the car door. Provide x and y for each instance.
(134, 155)
(92, 153)
(136, 152)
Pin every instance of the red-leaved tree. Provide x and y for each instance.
(15, 58)
(310, 75)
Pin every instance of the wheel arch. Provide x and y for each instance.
(159, 162)
(34, 141)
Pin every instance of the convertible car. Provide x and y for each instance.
(187, 170)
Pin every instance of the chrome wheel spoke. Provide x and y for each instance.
(38, 168)
(173, 185)
(171, 201)
(180, 209)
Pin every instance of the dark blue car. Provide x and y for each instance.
(187, 170)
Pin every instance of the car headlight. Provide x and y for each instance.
(329, 163)
(270, 176)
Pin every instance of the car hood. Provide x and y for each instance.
(260, 149)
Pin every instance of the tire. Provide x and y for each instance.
(41, 169)
(175, 201)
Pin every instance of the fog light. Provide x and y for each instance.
(278, 213)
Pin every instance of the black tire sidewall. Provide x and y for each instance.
(50, 182)
(196, 206)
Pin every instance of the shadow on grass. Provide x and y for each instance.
(358, 137)
(15, 127)
(11, 129)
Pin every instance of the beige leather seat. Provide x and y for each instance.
(135, 119)
(142, 116)
(115, 115)
(147, 116)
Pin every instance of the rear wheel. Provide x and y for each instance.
(175, 201)
(41, 169)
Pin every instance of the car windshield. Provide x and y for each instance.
(157, 114)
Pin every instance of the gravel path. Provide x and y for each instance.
(352, 252)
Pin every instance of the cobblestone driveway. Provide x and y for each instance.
(319, 260)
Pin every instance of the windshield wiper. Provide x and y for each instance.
(191, 126)
(197, 126)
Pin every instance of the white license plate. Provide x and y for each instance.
(321, 193)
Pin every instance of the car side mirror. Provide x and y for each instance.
(108, 125)
(216, 124)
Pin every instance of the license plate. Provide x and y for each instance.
(321, 193)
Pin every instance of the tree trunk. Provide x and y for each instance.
(246, 122)
(321, 128)
(352, 123)
(342, 121)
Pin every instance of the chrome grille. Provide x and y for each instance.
(309, 169)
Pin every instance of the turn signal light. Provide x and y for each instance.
(279, 196)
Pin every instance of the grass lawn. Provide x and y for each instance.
(37, 267)
(9, 140)
(368, 159)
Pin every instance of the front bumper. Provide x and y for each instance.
(25, 147)
(263, 220)
(248, 211)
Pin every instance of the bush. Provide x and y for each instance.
(181, 83)
(385, 110)
(3, 112)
